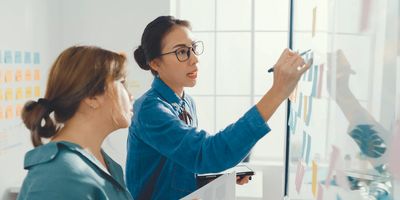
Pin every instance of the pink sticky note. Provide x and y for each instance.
(299, 175)
(320, 194)
(394, 158)
(332, 164)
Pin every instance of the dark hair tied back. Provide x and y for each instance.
(140, 58)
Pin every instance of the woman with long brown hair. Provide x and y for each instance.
(86, 99)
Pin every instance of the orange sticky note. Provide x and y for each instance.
(18, 75)
(9, 112)
(37, 74)
(1, 76)
(37, 91)
(28, 92)
(19, 109)
(28, 75)
(19, 93)
(9, 76)
(1, 112)
(314, 178)
(9, 94)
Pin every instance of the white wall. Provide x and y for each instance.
(49, 26)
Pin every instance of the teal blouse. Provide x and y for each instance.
(63, 170)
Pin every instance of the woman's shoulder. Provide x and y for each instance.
(55, 158)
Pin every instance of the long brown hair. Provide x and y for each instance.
(77, 73)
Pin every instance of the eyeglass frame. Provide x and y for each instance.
(189, 50)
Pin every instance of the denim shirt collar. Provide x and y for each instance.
(168, 94)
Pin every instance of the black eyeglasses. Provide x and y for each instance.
(183, 53)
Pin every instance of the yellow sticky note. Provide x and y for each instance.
(9, 76)
(305, 110)
(9, 94)
(9, 112)
(1, 112)
(1, 95)
(28, 92)
(19, 93)
(28, 75)
(18, 75)
(314, 178)
(314, 21)
(37, 91)
(19, 109)
(37, 74)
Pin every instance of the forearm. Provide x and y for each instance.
(269, 103)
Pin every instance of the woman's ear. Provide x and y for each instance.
(93, 102)
(155, 64)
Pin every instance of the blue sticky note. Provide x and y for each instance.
(36, 58)
(310, 74)
(315, 81)
(338, 197)
(308, 148)
(27, 57)
(309, 111)
(300, 105)
(8, 57)
(304, 146)
(18, 57)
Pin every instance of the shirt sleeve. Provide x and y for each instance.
(195, 149)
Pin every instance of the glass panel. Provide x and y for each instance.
(233, 14)
(271, 147)
(268, 48)
(201, 14)
(230, 109)
(271, 15)
(233, 63)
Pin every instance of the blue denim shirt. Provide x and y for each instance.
(63, 170)
(157, 131)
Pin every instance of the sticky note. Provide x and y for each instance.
(18, 110)
(18, 57)
(2, 76)
(320, 193)
(332, 164)
(320, 77)
(19, 93)
(300, 105)
(27, 57)
(1, 94)
(37, 91)
(9, 76)
(308, 111)
(306, 147)
(365, 15)
(8, 57)
(314, 81)
(28, 92)
(28, 74)
(9, 94)
(305, 107)
(314, 178)
(314, 21)
(9, 112)
(37, 74)
(1, 113)
(299, 176)
(18, 75)
(36, 58)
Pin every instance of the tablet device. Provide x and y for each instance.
(241, 171)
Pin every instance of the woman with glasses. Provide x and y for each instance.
(166, 149)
